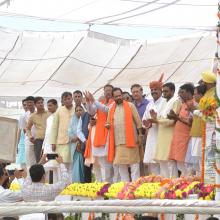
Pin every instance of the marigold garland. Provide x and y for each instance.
(208, 106)
(203, 126)
(179, 188)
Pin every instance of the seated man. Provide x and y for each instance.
(34, 187)
(7, 195)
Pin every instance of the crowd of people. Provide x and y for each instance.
(119, 137)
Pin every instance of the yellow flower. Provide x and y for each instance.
(114, 189)
(208, 198)
(15, 187)
(147, 190)
(178, 193)
(162, 195)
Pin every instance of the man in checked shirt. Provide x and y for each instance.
(34, 187)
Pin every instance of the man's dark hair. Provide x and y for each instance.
(30, 98)
(116, 89)
(170, 85)
(24, 100)
(201, 89)
(77, 92)
(65, 94)
(108, 85)
(188, 87)
(53, 101)
(200, 82)
(54, 216)
(137, 86)
(38, 98)
(36, 172)
(212, 218)
(125, 92)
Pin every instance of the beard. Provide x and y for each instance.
(205, 87)
(119, 101)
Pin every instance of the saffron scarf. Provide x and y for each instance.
(129, 130)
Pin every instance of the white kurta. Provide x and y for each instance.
(46, 145)
(151, 142)
(29, 146)
(197, 141)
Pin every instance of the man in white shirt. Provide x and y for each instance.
(34, 187)
(52, 107)
(29, 146)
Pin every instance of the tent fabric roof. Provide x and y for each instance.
(49, 63)
(163, 13)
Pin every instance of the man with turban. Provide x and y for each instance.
(153, 110)
(209, 81)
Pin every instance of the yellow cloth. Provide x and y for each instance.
(196, 130)
(59, 130)
(39, 120)
(208, 77)
(165, 130)
(64, 151)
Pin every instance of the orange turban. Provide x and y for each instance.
(157, 84)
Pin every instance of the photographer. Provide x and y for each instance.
(34, 187)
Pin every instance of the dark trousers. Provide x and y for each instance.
(37, 149)
(88, 174)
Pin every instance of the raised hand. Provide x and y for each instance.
(91, 97)
(86, 94)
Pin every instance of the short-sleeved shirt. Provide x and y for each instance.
(141, 107)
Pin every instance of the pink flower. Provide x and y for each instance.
(184, 195)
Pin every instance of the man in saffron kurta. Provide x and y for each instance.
(124, 143)
(181, 134)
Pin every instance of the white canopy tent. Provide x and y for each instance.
(163, 13)
(48, 63)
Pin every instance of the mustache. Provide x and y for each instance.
(154, 93)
